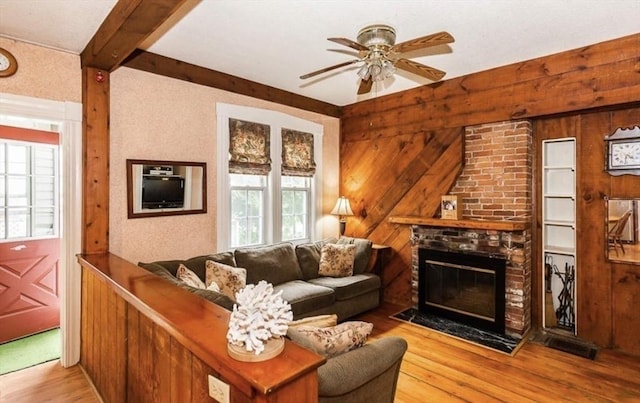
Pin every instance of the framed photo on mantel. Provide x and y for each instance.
(451, 207)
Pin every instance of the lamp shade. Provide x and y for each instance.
(342, 207)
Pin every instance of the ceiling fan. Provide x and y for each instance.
(380, 55)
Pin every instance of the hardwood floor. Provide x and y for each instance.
(439, 368)
(436, 368)
(47, 382)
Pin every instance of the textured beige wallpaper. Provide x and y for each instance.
(159, 118)
(43, 73)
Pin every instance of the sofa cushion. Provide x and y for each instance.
(309, 257)
(332, 341)
(275, 264)
(195, 264)
(315, 321)
(211, 295)
(188, 277)
(336, 260)
(305, 297)
(229, 279)
(349, 287)
(363, 252)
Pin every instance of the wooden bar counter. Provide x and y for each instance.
(146, 340)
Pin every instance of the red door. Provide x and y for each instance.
(29, 243)
(28, 287)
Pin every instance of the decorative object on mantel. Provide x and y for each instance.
(342, 209)
(258, 323)
(450, 207)
(623, 152)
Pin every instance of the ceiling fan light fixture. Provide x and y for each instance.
(377, 35)
(364, 72)
(379, 55)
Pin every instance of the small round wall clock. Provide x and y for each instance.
(623, 152)
(8, 63)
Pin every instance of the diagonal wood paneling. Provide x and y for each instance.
(385, 176)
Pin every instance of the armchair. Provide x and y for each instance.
(368, 374)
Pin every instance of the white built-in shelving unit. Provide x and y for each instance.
(559, 233)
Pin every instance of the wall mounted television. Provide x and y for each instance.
(160, 192)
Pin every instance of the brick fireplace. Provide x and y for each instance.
(495, 186)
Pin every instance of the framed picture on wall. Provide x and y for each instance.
(450, 207)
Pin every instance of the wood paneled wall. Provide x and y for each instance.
(147, 340)
(401, 152)
(608, 293)
(130, 358)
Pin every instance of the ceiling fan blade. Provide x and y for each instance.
(365, 86)
(348, 42)
(423, 42)
(315, 73)
(420, 69)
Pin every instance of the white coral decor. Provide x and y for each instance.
(258, 316)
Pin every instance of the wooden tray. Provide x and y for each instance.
(272, 348)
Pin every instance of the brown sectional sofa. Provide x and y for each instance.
(294, 270)
(366, 374)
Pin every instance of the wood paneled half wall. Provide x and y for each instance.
(146, 340)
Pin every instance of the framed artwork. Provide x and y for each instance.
(450, 207)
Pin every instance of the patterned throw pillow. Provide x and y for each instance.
(229, 279)
(332, 341)
(189, 277)
(337, 260)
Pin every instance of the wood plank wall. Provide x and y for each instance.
(147, 340)
(401, 152)
(130, 358)
(608, 293)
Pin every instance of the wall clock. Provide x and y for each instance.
(623, 152)
(8, 63)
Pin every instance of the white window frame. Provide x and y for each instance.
(31, 177)
(277, 121)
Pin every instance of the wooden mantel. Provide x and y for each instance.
(472, 224)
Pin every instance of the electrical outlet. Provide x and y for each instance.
(218, 390)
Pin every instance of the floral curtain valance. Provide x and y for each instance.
(297, 153)
(249, 148)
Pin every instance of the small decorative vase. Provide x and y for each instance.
(272, 348)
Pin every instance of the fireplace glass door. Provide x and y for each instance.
(463, 287)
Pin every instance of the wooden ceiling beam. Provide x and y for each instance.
(128, 24)
(157, 64)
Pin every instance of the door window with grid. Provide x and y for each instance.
(28, 190)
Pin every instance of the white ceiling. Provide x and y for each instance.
(273, 42)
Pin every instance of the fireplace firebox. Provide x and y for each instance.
(463, 286)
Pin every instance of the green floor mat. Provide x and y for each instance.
(30, 351)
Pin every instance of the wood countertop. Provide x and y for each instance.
(471, 224)
(199, 325)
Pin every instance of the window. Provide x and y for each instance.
(257, 203)
(295, 207)
(248, 197)
(28, 190)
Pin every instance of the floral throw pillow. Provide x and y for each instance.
(332, 341)
(336, 260)
(229, 279)
(189, 277)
